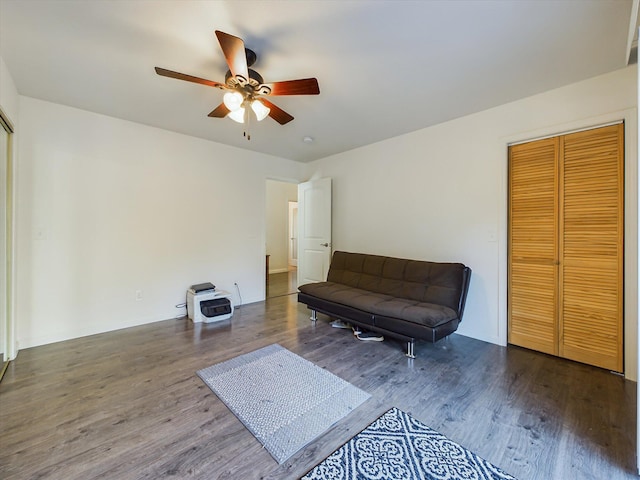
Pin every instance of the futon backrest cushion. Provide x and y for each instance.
(429, 282)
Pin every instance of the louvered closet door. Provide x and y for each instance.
(533, 245)
(591, 266)
(566, 236)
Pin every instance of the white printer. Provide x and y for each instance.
(206, 304)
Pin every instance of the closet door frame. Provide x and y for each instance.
(626, 170)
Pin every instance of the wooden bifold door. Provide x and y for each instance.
(566, 238)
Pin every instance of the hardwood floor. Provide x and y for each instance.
(128, 405)
(284, 283)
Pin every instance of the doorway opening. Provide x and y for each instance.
(7, 332)
(281, 238)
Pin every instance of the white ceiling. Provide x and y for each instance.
(384, 67)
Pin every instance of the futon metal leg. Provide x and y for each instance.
(410, 350)
(314, 316)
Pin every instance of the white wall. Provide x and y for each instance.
(440, 193)
(108, 207)
(279, 194)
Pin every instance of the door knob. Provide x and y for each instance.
(324, 244)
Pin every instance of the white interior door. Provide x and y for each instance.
(293, 234)
(314, 230)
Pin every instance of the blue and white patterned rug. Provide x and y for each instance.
(283, 399)
(397, 446)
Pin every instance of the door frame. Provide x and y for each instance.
(553, 259)
(631, 297)
(10, 346)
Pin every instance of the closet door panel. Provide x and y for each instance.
(533, 251)
(533, 307)
(590, 316)
(592, 248)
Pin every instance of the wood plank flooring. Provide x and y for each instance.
(128, 405)
(283, 283)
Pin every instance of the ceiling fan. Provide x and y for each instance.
(245, 88)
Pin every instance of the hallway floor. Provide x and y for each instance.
(284, 283)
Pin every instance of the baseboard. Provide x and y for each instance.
(278, 270)
(85, 331)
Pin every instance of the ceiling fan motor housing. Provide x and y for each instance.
(254, 78)
(253, 75)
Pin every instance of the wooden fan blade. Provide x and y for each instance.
(304, 86)
(277, 113)
(233, 49)
(220, 111)
(189, 78)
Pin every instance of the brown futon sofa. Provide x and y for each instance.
(405, 299)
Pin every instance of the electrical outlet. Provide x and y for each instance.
(138, 295)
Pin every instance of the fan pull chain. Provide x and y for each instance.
(247, 122)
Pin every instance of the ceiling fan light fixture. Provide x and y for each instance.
(243, 86)
(237, 115)
(260, 109)
(233, 100)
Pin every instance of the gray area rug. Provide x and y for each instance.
(397, 446)
(283, 399)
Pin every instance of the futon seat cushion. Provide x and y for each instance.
(424, 282)
(423, 313)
